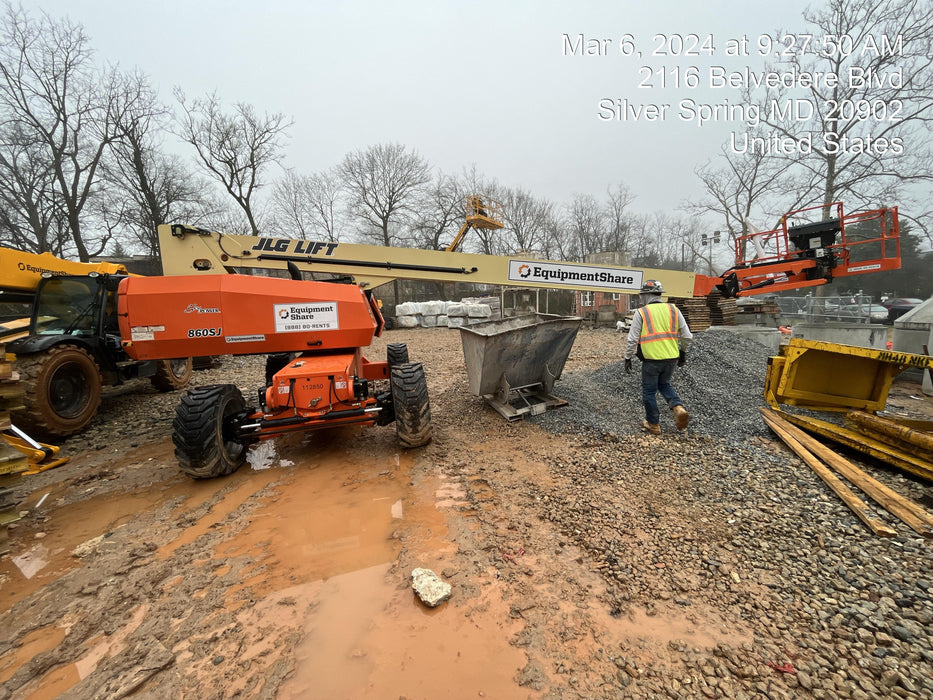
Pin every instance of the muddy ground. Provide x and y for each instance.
(291, 578)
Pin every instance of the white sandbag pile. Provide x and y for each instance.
(434, 314)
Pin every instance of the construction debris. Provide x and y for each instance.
(12, 461)
(866, 444)
(430, 588)
(829, 377)
(811, 451)
(832, 378)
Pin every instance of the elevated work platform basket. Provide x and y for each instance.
(513, 363)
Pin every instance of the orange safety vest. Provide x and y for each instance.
(659, 338)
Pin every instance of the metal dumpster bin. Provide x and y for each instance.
(513, 363)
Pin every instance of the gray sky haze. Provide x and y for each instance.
(461, 83)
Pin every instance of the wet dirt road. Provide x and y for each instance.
(290, 567)
(292, 577)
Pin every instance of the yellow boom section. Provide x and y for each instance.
(21, 271)
(186, 251)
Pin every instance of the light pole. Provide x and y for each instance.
(710, 240)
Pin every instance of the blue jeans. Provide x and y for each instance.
(656, 376)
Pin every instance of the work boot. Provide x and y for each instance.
(652, 428)
(681, 417)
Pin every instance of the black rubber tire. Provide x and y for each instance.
(62, 391)
(172, 374)
(390, 323)
(410, 400)
(396, 354)
(204, 431)
(277, 361)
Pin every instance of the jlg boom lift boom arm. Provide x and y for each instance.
(793, 256)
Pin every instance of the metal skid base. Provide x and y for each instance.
(515, 403)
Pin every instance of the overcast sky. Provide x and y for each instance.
(461, 83)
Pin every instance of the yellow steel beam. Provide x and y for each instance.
(864, 444)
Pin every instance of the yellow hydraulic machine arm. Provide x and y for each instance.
(483, 213)
(187, 250)
(20, 271)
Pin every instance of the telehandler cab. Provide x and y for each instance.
(69, 348)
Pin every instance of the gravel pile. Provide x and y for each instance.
(725, 521)
(721, 385)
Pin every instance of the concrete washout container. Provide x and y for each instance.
(513, 363)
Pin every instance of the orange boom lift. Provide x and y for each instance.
(316, 374)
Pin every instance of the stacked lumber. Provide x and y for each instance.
(722, 310)
(12, 461)
(695, 311)
(759, 307)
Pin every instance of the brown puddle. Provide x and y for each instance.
(333, 513)
(35, 642)
(68, 526)
(366, 637)
(326, 539)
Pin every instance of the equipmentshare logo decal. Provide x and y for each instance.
(308, 316)
(573, 275)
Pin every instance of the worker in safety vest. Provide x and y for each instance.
(659, 337)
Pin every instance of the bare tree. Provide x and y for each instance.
(384, 184)
(586, 225)
(555, 242)
(525, 218)
(31, 217)
(308, 205)
(50, 89)
(657, 240)
(746, 192)
(868, 137)
(147, 187)
(233, 148)
(441, 213)
(617, 218)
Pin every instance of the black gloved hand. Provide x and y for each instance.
(682, 360)
(628, 366)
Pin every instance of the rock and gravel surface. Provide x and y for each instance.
(710, 563)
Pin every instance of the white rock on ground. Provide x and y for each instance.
(429, 587)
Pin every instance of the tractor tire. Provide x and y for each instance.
(62, 391)
(204, 431)
(396, 354)
(172, 374)
(410, 401)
